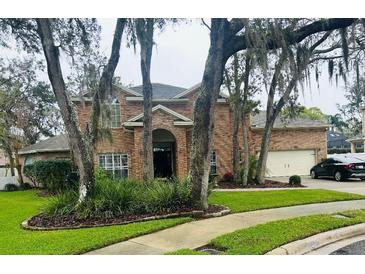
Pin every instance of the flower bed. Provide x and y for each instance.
(47, 222)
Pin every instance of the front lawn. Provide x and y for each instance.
(263, 238)
(18, 206)
(243, 201)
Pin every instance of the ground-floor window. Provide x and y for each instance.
(115, 164)
(213, 163)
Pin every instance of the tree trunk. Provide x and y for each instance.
(246, 110)
(18, 167)
(11, 160)
(261, 165)
(83, 159)
(145, 38)
(204, 114)
(235, 141)
(246, 150)
(105, 84)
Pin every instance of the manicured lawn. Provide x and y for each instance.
(265, 237)
(18, 206)
(254, 200)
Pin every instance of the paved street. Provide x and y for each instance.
(350, 246)
(357, 248)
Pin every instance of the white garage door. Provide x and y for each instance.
(290, 162)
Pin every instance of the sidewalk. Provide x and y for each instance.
(198, 233)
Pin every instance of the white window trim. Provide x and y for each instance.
(125, 167)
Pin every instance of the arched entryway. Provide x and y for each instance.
(164, 155)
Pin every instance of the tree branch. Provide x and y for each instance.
(238, 43)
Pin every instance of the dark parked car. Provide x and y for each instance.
(340, 168)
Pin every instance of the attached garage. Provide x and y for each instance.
(290, 162)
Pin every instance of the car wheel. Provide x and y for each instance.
(313, 175)
(338, 176)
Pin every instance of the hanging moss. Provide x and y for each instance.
(357, 69)
(345, 47)
(330, 68)
(317, 74)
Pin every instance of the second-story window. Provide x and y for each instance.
(115, 114)
(113, 111)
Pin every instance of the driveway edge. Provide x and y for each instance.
(314, 242)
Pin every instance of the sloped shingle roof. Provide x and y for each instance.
(258, 121)
(161, 91)
(56, 143)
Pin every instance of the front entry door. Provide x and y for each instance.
(163, 160)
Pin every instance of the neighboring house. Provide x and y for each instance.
(337, 142)
(295, 146)
(56, 147)
(358, 142)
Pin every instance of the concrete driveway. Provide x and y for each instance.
(351, 185)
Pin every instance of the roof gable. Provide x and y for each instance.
(164, 109)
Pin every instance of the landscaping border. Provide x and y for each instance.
(195, 214)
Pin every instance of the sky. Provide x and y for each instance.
(179, 56)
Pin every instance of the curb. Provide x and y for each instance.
(314, 242)
(195, 213)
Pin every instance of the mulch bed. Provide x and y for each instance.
(43, 221)
(267, 184)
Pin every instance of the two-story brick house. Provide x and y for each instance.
(172, 119)
(295, 145)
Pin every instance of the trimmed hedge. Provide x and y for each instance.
(295, 180)
(54, 175)
(11, 187)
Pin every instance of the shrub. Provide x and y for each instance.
(54, 175)
(25, 186)
(11, 187)
(295, 180)
(113, 198)
(253, 161)
(28, 172)
(228, 177)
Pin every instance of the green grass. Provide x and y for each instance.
(18, 206)
(253, 200)
(262, 238)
